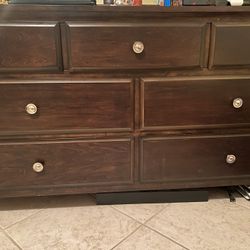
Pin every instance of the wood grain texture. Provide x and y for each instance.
(29, 47)
(109, 120)
(91, 162)
(193, 158)
(105, 45)
(230, 44)
(189, 102)
(86, 106)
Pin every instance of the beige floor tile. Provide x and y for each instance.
(5, 243)
(86, 227)
(242, 202)
(221, 194)
(140, 212)
(16, 209)
(211, 225)
(13, 210)
(146, 239)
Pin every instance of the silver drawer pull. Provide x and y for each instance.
(31, 109)
(38, 167)
(237, 103)
(138, 47)
(231, 159)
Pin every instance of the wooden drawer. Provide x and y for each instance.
(30, 47)
(92, 162)
(88, 105)
(230, 45)
(195, 102)
(110, 45)
(194, 158)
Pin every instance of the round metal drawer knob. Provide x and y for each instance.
(231, 159)
(237, 103)
(31, 109)
(138, 47)
(38, 167)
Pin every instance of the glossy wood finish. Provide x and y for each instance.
(91, 162)
(109, 120)
(32, 46)
(194, 102)
(106, 45)
(193, 158)
(230, 44)
(80, 106)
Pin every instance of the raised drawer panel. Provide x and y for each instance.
(110, 45)
(30, 47)
(92, 162)
(230, 45)
(185, 103)
(194, 158)
(79, 106)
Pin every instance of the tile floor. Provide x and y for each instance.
(75, 222)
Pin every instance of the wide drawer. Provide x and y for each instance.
(92, 162)
(230, 45)
(31, 46)
(89, 105)
(194, 158)
(194, 102)
(94, 45)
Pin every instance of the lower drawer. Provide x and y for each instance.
(194, 158)
(88, 162)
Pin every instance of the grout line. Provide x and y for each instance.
(120, 242)
(243, 206)
(11, 239)
(177, 243)
(126, 215)
(161, 210)
(144, 224)
(136, 219)
(21, 220)
(170, 239)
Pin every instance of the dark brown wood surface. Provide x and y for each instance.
(193, 158)
(109, 120)
(230, 44)
(194, 102)
(92, 162)
(32, 46)
(106, 45)
(89, 105)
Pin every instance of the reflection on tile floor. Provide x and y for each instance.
(75, 222)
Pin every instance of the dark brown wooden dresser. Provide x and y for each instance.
(108, 99)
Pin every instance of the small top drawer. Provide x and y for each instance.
(191, 102)
(135, 45)
(28, 47)
(77, 106)
(230, 45)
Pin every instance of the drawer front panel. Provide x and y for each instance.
(30, 47)
(80, 162)
(184, 103)
(230, 45)
(110, 46)
(177, 159)
(67, 106)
